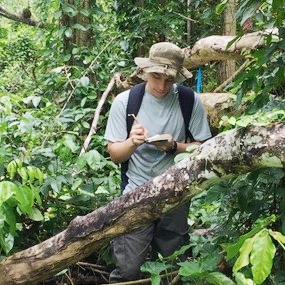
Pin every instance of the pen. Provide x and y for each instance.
(135, 118)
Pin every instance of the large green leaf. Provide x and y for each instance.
(218, 278)
(25, 197)
(243, 259)
(7, 190)
(232, 249)
(190, 268)
(261, 258)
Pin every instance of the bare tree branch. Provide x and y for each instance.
(20, 18)
(221, 48)
(231, 153)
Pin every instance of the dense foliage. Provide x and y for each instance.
(49, 90)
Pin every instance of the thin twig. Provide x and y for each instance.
(186, 18)
(146, 280)
(95, 267)
(69, 278)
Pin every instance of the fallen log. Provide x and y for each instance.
(230, 153)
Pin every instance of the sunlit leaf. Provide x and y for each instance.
(35, 214)
(243, 259)
(84, 80)
(7, 190)
(263, 252)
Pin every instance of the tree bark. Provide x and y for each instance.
(228, 67)
(233, 152)
(218, 48)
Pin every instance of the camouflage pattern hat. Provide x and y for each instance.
(166, 58)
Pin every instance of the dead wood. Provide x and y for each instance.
(233, 152)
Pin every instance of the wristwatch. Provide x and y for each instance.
(173, 148)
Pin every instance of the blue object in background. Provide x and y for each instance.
(199, 78)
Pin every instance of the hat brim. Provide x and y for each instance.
(147, 66)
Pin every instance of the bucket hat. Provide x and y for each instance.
(166, 58)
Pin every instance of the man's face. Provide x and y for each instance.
(158, 84)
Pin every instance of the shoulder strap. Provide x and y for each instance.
(133, 106)
(186, 100)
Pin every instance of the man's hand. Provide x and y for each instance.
(138, 134)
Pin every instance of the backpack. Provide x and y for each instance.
(186, 99)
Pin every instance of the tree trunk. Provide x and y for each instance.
(228, 67)
(81, 37)
(217, 48)
(231, 153)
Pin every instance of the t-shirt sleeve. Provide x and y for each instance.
(199, 125)
(116, 129)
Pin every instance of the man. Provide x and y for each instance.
(159, 113)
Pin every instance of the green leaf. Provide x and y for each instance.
(218, 278)
(221, 7)
(12, 168)
(31, 173)
(7, 242)
(69, 10)
(278, 236)
(232, 249)
(69, 141)
(101, 190)
(77, 182)
(25, 197)
(58, 69)
(244, 121)
(7, 190)
(190, 268)
(261, 258)
(35, 214)
(155, 268)
(242, 280)
(232, 121)
(93, 159)
(68, 32)
(191, 147)
(36, 194)
(36, 101)
(24, 174)
(243, 259)
(180, 156)
(84, 80)
(9, 216)
(80, 27)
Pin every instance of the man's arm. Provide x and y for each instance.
(122, 151)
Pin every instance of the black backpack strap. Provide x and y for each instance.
(133, 106)
(186, 100)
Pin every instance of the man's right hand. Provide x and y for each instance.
(138, 134)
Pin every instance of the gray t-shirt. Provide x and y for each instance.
(158, 116)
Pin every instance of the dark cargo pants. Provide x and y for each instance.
(165, 236)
